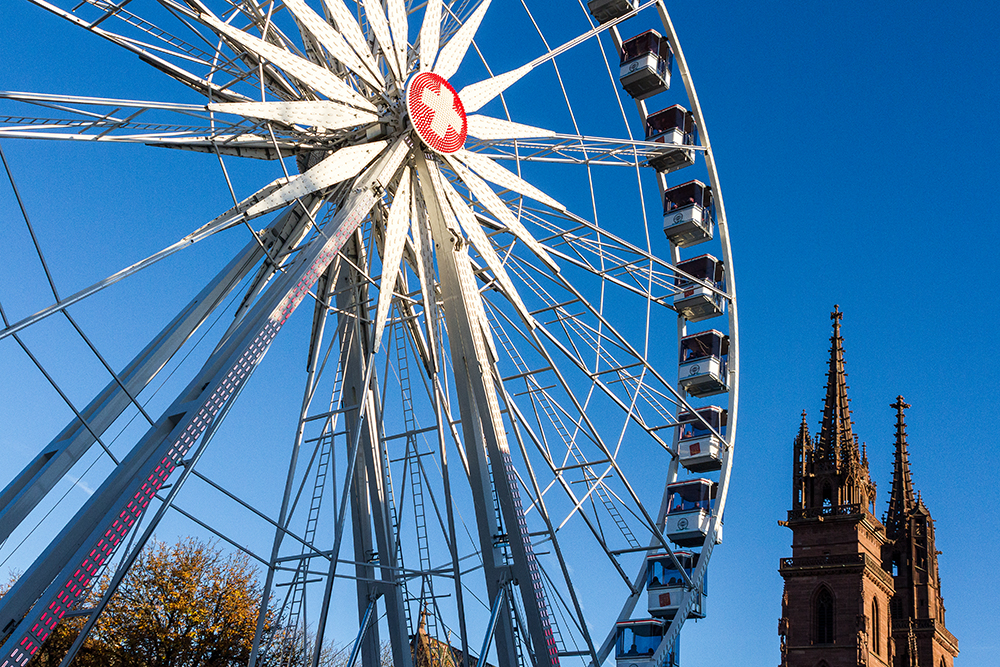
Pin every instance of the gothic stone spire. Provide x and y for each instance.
(901, 500)
(835, 437)
(802, 454)
(831, 469)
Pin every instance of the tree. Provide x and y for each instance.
(186, 605)
(183, 605)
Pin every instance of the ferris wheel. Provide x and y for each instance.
(515, 436)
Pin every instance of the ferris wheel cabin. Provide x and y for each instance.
(646, 63)
(637, 641)
(674, 127)
(700, 447)
(606, 10)
(665, 585)
(689, 511)
(698, 301)
(688, 212)
(704, 363)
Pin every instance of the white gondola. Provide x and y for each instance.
(700, 449)
(704, 363)
(703, 299)
(646, 63)
(605, 10)
(665, 586)
(675, 128)
(689, 511)
(688, 213)
(637, 641)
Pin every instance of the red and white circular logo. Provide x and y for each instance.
(436, 112)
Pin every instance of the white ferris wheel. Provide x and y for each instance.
(516, 430)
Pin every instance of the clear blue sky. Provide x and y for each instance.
(857, 147)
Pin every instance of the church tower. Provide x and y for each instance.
(835, 608)
(917, 608)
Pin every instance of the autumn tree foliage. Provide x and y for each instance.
(181, 605)
(185, 605)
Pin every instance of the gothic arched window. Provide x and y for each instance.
(823, 617)
(876, 628)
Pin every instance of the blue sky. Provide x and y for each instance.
(856, 145)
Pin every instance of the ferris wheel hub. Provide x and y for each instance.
(437, 113)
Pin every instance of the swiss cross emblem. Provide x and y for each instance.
(436, 112)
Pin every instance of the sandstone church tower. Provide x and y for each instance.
(917, 608)
(858, 593)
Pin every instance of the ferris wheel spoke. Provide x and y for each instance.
(487, 128)
(424, 250)
(396, 10)
(327, 115)
(316, 77)
(489, 199)
(379, 24)
(496, 174)
(485, 249)
(573, 149)
(395, 235)
(114, 120)
(334, 42)
(340, 166)
(476, 95)
(351, 31)
(452, 54)
(430, 33)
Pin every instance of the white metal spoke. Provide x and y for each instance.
(379, 24)
(485, 248)
(395, 235)
(476, 95)
(333, 42)
(485, 127)
(316, 77)
(327, 115)
(424, 247)
(400, 37)
(451, 55)
(489, 199)
(496, 174)
(342, 165)
(430, 32)
(351, 31)
(573, 149)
